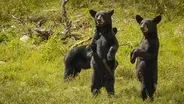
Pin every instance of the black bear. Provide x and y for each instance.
(76, 59)
(104, 45)
(147, 56)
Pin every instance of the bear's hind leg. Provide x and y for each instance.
(151, 90)
(143, 92)
(96, 85)
(76, 72)
(110, 85)
(68, 73)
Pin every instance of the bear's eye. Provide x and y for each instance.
(98, 15)
(102, 16)
(146, 23)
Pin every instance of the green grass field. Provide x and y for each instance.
(32, 72)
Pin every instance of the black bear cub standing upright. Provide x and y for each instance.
(104, 45)
(147, 56)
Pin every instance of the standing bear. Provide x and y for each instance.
(147, 56)
(104, 45)
(78, 58)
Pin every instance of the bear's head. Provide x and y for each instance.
(102, 18)
(148, 26)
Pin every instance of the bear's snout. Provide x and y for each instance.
(100, 20)
(144, 28)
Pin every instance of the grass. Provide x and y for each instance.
(32, 72)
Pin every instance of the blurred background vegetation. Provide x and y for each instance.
(26, 8)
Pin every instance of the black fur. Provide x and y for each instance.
(78, 58)
(147, 56)
(75, 60)
(104, 45)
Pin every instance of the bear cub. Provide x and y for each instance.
(147, 56)
(104, 45)
(75, 60)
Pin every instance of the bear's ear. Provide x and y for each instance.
(157, 19)
(139, 18)
(111, 12)
(92, 12)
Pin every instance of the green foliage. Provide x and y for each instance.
(21, 8)
(32, 71)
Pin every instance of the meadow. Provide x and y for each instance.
(31, 72)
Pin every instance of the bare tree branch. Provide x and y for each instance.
(66, 22)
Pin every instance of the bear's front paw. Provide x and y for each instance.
(132, 56)
(89, 51)
(110, 57)
(132, 60)
(89, 54)
(137, 50)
